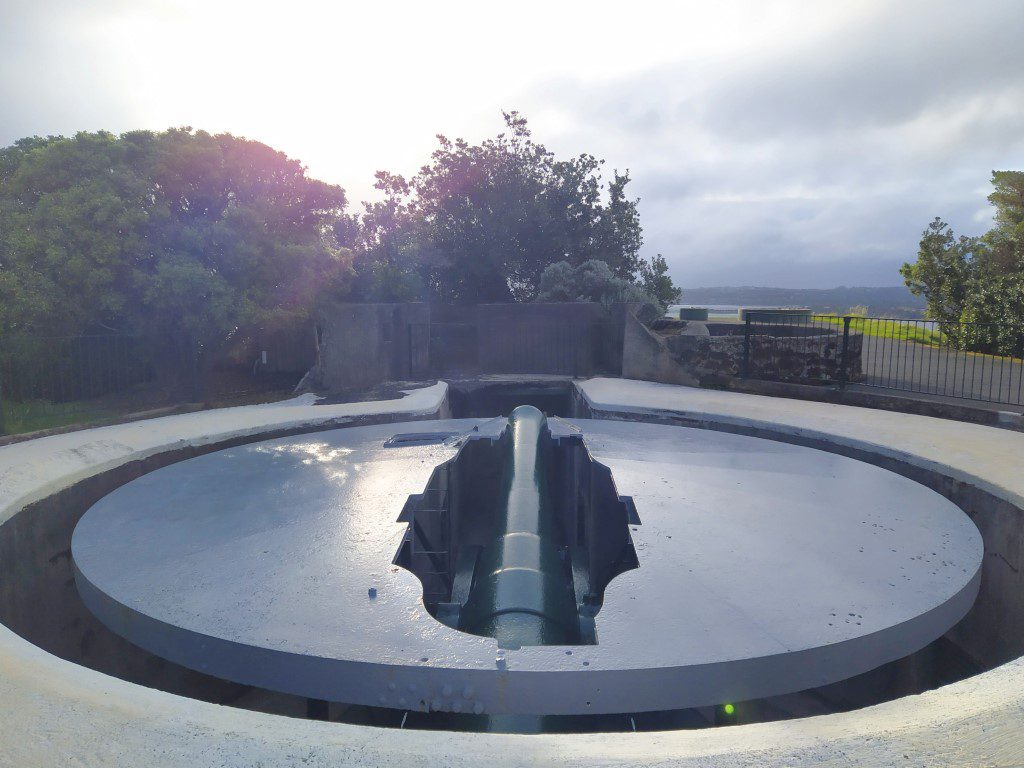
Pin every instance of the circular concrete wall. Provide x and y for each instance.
(58, 711)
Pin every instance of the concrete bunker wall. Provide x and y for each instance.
(646, 357)
(571, 338)
(363, 345)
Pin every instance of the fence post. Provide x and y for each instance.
(843, 356)
(409, 338)
(197, 371)
(3, 425)
(746, 347)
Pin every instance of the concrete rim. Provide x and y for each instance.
(60, 712)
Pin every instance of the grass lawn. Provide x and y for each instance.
(901, 330)
(224, 388)
(33, 415)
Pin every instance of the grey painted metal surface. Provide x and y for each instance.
(523, 592)
(764, 568)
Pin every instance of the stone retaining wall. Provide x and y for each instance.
(806, 357)
(708, 353)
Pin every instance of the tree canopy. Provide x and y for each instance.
(179, 232)
(482, 223)
(592, 280)
(183, 234)
(977, 280)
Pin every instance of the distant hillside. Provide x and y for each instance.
(896, 301)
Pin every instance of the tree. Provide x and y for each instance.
(174, 234)
(73, 226)
(483, 222)
(655, 281)
(994, 316)
(592, 280)
(621, 234)
(387, 263)
(944, 269)
(977, 281)
(1008, 198)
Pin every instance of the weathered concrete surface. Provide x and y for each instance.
(646, 356)
(989, 458)
(34, 469)
(573, 338)
(57, 713)
(976, 412)
(362, 345)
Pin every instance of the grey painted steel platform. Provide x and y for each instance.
(764, 568)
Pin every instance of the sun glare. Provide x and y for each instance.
(353, 88)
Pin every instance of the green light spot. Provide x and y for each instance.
(729, 709)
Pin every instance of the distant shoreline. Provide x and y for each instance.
(894, 301)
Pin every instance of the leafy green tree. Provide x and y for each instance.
(994, 311)
(179, 234)
(944, 270)
(1008, 198)
(655, 281)
(73, 226)
(482, 222)
(621, 235)
(388, 257)
(592, 280)
(977, 280)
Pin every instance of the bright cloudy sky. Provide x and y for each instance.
(801, 144)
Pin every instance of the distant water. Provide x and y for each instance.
(732, 310)
(713, 309)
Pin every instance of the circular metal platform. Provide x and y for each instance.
(764, 568)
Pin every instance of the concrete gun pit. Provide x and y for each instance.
(497, 574)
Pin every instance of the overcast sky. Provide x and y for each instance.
(801, 144)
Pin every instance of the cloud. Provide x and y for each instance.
(771, 141)
(816, 162)
(53, 80)
(912, 59)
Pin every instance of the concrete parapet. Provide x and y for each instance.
(362, 345)
(60, 713)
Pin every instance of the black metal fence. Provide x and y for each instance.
(47, 381)
(973, 361)
(55, 381)
(801, 348)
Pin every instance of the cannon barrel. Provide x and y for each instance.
(522, 592)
